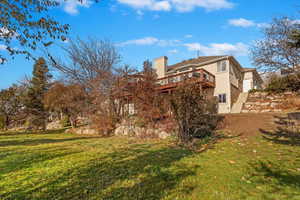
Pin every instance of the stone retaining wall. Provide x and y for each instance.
(140, 132)
(125, 129)
(262, 102)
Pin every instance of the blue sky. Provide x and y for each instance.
(146, 29)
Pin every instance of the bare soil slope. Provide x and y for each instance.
(250, 124)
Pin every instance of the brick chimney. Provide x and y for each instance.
(160, 65)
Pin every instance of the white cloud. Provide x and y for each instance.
(296, 21)
(189, 5)
(72, 6)
(150, 41)
(141, 41)
(245, 23)
(3, 47)
(179, 5)
(193, 46)
(165, 43)
(262, 25)
(148, 4)
(238, 49)
(161, 5)
(241, 22)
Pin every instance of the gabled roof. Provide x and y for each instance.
(255, 73)
(249, 69)
(199, 60)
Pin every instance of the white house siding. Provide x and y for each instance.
(222, 85)
(236, 77)
(248, 81)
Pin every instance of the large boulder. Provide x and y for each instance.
(83, 131)
(163, 135)
(140, 132)
(120, 130)
(54, 125)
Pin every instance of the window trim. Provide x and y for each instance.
(221, 65)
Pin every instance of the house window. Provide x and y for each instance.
(222, 66)
(222, 98)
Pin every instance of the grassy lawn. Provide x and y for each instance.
(65, 166)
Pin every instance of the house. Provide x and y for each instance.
(231, 81)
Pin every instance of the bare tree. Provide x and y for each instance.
(93, 65)
(147, 100)
(274, 52)
(87, 60)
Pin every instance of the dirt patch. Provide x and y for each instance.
(249, 124)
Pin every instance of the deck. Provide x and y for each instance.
(169, 83)
(198, 76)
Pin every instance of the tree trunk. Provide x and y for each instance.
(73, 122)
(6, 122)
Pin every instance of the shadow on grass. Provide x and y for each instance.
(34, 142)
(29, 158)
(14, 133)
(129, 173)
(276, 177)
(287, 131)
(204, 144)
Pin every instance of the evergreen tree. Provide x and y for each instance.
(39, 84)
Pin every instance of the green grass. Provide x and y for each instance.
(65, 166)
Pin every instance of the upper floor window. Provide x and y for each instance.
(222, 66)
(222, 98)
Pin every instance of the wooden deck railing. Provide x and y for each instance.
(169, 83)
(199, 75)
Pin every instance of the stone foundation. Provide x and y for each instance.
(262, 102)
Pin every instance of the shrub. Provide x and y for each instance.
(256, 90)
(104, 123)
(194, 112)
(2, 123)
(65, 121)
(140, 122)
(283, 84)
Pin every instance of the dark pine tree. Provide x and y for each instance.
(37, 115)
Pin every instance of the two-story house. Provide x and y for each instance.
(232, 81)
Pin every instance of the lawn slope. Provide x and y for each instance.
(64, 166)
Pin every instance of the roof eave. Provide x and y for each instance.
(201, 63)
